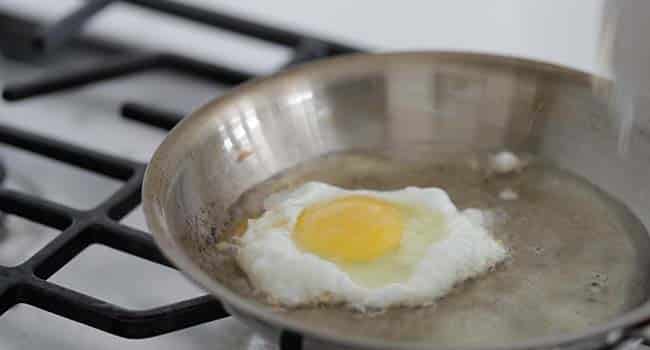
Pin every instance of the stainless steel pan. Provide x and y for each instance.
(578, 278)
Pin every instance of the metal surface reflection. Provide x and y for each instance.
(413, 108)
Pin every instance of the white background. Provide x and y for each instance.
(559, 31)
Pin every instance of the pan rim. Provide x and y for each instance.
(177, 256)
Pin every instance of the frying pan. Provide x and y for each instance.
(579, 273)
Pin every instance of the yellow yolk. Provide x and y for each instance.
(350, 229)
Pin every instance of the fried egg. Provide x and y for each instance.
(367, 249)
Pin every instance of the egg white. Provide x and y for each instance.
(291, 277)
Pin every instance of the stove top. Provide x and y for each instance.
(78, 120)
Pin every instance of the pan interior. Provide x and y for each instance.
(387, 121)
(577, 254)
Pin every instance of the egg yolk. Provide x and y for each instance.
(350, 229)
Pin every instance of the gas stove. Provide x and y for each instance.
(82, 112)
(80, 117)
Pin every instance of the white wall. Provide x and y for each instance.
(559, 31)
(556, 30)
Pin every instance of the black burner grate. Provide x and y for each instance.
(27, 283)
(44, 40)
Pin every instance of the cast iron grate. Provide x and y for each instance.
(27, 283)
(44, 40)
